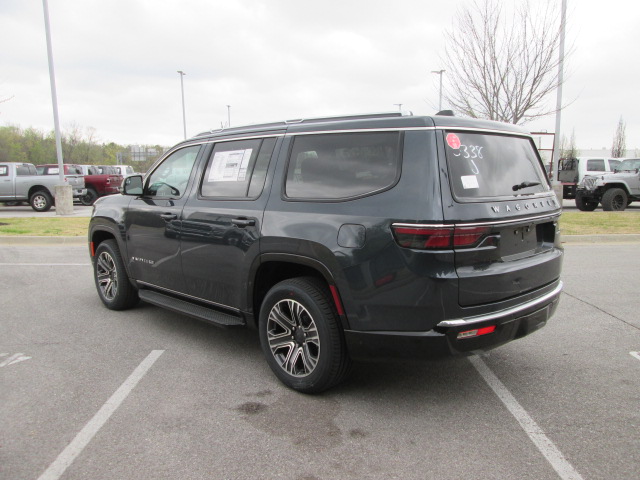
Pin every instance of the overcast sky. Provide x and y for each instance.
(116, 64)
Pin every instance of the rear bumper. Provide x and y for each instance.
(79, 192)
(442, 341)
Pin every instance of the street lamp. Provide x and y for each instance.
(399, 105)
(228, 116)
(184, 117)
(63, 191)
(439, 72)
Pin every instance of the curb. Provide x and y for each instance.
(19, 240)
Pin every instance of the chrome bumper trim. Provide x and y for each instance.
(503, 313)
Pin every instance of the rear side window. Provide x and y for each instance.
(237, 169)
(595, 165)
(488, 166)
(4, 171)
(342, 166)
(25, 170)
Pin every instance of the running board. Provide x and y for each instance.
(196, 311)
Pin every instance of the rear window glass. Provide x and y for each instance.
(489, 166)
(341, 166)
(595, 165)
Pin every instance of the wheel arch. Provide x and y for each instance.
(274, 268)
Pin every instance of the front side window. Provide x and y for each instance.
(595, 165)
(171, 177)
(342, 166)
(487, 166)
(237, 169)
(613, 164)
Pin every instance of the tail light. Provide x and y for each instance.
(439, 237)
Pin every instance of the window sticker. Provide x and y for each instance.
(469, 181)
(230, 166)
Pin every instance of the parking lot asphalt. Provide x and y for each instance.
(90, 393)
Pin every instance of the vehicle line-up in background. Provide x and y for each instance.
(20, 182)
(369, 236)
(571, 171)
(615, 191)
(99, 180)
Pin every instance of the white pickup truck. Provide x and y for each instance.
(19, 182)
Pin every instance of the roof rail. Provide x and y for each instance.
(357, 116)
(283, 124)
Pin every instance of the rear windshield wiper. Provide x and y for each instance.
(522, 185)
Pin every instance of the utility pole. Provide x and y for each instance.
(439, 72)
(63, 191)
(556, 142)
(184, 117)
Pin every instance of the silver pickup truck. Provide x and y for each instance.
(19, 182)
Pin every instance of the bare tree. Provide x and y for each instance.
(502, 66)
(619, 148)
(568, 149)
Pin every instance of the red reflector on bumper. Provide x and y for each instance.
(477, 332)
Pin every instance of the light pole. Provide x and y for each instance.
(556, 141)
(439, 72)
(228, 116)
(184, 116)
(399, 105)
(63, 191)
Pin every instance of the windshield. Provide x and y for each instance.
(630, 164)
(487, 166)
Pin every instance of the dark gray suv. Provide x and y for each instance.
(370, 236)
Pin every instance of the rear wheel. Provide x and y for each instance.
(114, 288)
(586, 204)
(41, 201)
(614, 199)
(301, 337)
(89, 198)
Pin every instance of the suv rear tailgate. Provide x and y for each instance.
(499, 178)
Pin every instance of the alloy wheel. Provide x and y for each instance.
(107, 276)
(293, 338)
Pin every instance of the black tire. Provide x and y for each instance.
(41, 201)
(113, 285)
(301, 336)
(614, 200)
(89, 198)
(586, 204)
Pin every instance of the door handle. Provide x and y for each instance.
(243, 222)
(167, 217)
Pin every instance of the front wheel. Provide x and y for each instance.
(113, 285)
(614, 200)
(301, 337)
(41, 201)
(585, 204)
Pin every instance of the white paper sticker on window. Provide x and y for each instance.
(230, 166)
(469, 181)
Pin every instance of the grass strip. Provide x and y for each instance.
(571, 223)
(45, 226)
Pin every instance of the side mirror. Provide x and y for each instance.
(132, 185)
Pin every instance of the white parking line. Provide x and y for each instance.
(635, 355)
(15, 358)
(45, 264)
(531, 428)
(68, 455)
